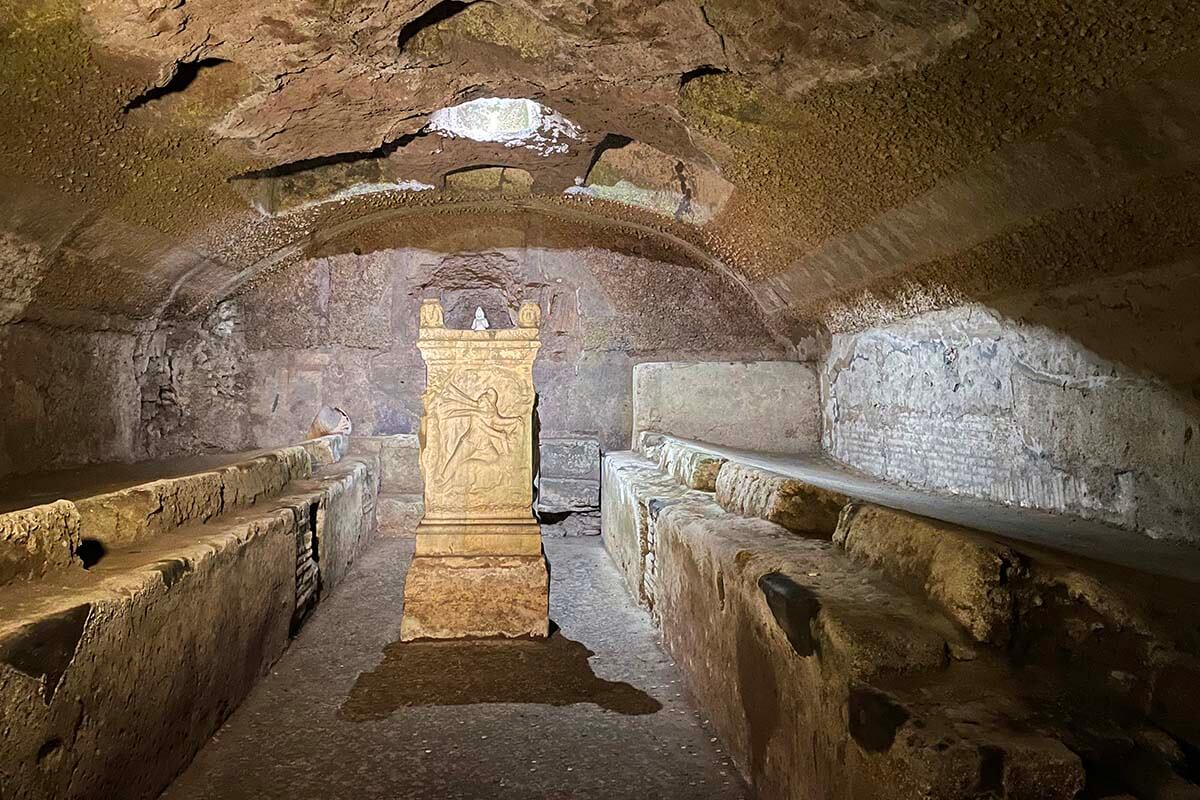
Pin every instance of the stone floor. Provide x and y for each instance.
(350, 713)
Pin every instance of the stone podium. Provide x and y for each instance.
(479, 570)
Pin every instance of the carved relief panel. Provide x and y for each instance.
(476, 432)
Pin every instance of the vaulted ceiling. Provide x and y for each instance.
(845, 161)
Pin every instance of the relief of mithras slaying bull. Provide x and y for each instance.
(471, 444)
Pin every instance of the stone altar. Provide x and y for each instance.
(479, 570)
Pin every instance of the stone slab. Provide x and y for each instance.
(965, 574)
(120, 518)
(584, 523)
(773, 406)
(399, 456)
(476, 597)
(797, 506)
(633, 486)
(560, 495)
(399, 514)
(400, 462)
(575, 458)
(692, 466)
(328, 449)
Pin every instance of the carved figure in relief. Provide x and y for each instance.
(487, 436)
(431, 315)
(529, 316)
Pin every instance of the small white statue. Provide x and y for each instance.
(481, 322)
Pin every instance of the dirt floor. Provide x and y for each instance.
(349, 712)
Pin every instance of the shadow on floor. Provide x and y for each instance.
(554, 672)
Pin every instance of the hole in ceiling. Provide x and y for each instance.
(513, 122)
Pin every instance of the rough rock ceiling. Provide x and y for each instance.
(159, 151)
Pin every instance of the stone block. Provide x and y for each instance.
(772, 406)
(692, 466)
(326, 450)
(584, 523)
(797, 506)
(631, 485)
(365, 446)
(400, 463)
(1175, 704)
(649, 445)
(36, 541)
(479, 597)
(570, 458)
(561, 495)
(1036, 765)
(129, 515)
(399, 514)
(967, 575)
(250, 481)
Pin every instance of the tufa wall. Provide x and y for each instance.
(341, 331)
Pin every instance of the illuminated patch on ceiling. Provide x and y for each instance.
(513, 122)
(350, 192)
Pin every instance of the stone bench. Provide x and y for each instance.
(39, 540)
(112, 678)
(1125, 637)
(744, 489)
(906, 656)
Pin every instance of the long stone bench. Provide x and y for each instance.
(38, 540)
(859, 651)
(112, 677)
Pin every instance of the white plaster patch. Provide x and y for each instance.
(665, 203)
(357, 190)
(669, 204)
(513, 122)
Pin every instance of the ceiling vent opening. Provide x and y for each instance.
(512, 122)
